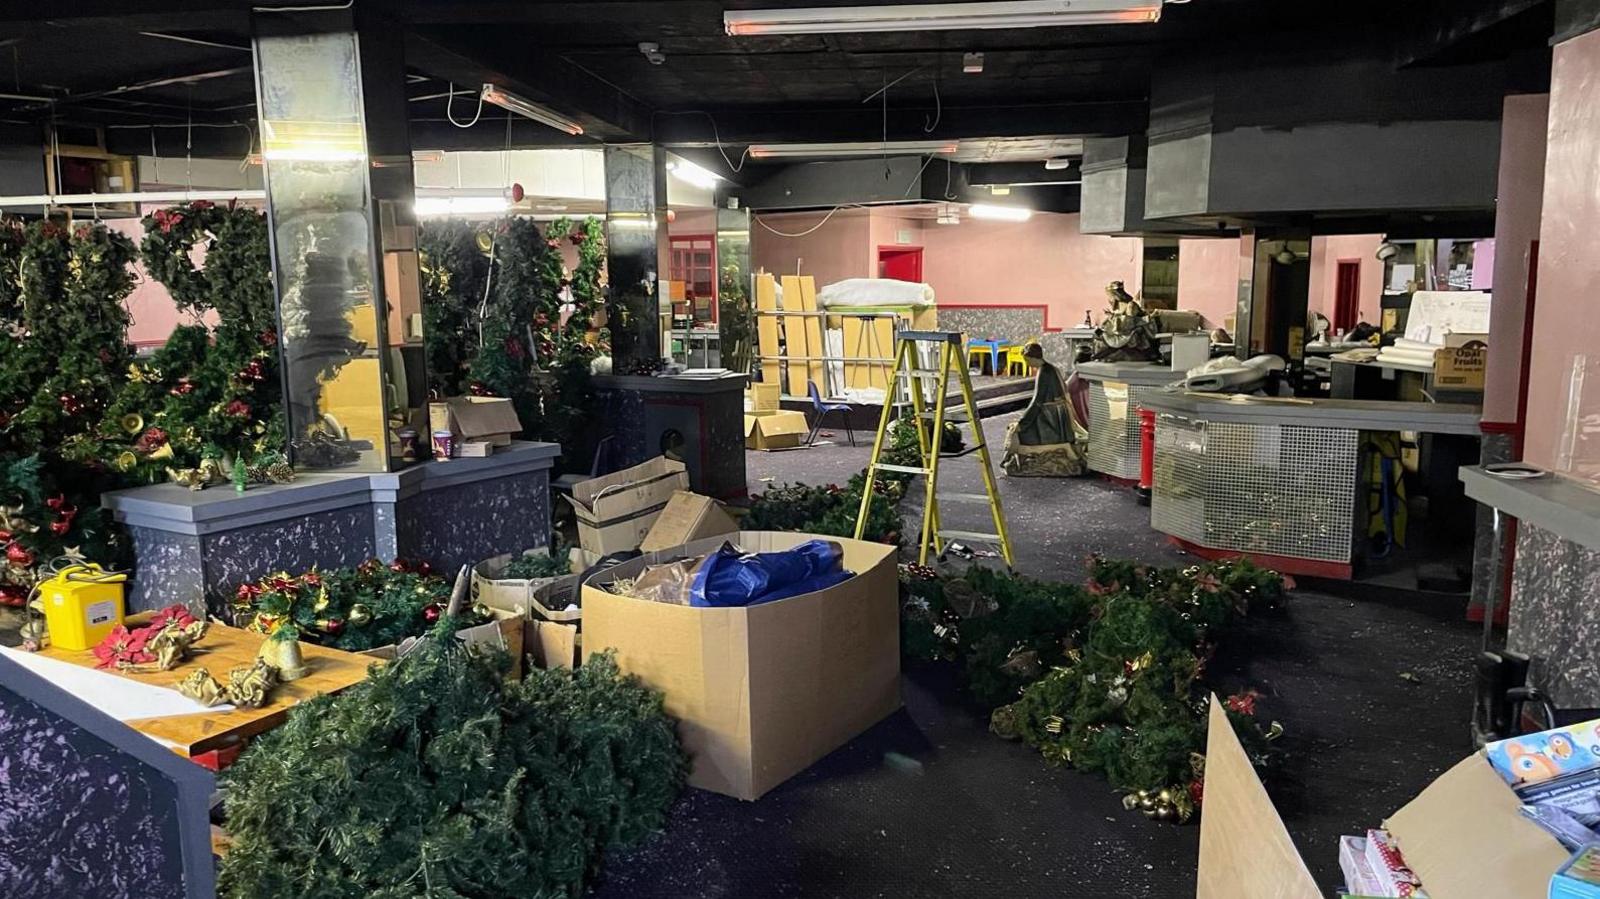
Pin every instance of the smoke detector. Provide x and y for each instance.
(652, 52)
(972, 63)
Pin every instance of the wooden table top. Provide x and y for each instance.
(223, 649)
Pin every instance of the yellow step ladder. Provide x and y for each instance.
(908, 370)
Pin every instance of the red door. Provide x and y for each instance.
(1347, 295)
(900, 263)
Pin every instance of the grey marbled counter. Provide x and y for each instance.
(1562, 506)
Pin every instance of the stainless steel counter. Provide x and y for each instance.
(1356, 415)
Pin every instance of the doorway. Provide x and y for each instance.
(1347, 295)
(900, 263)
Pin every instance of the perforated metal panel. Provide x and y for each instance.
(1114, 428)
(1278, 490)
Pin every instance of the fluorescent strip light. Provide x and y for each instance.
(442, 206)
(941, 16)
(689, 173)
(138, 196)
(904, 147)
(529, 109)
(999, 213)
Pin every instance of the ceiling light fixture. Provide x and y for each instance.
(522, 106)
(941, 16)
(867, 148)
(1057, 164)
(999, 213)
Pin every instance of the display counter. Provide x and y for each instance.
(1275, 479)
(1116, 392)
(1555, 581)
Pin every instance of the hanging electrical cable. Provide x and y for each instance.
(449, 104)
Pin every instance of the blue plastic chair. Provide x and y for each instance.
(821, 409)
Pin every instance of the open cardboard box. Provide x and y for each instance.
(774, 430)
(616, 511)
(487, 419)
(761, 692)
(1463, 835)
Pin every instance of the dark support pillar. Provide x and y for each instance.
(636, 225)
(1274, 287)
(330, 86)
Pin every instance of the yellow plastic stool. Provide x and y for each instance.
(1015, 364)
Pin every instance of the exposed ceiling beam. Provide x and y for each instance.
(1030, 173)
(605, 111)
(867, 123)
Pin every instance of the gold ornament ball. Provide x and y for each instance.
(360, 615)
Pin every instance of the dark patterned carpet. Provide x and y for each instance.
(1373, 690)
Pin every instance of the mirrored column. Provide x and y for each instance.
(736, 322)
(636, 223)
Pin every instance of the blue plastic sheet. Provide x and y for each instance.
(732, 578)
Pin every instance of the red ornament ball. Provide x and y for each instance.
(71, 403)
(18, 555)
(332, 626)
(432, 612)
(13, 595)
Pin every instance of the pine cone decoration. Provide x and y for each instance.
(280, 472)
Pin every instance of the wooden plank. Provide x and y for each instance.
(1245, 851)
(767, 329)
(812, 326)
(795, 338)
(223, 649)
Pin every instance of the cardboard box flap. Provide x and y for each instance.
(1245, 850)
(688, 517)
(618, 495)
(475, 416)
(1465, 838)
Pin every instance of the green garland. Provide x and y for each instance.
(353, 609)
(1107, 677)
(454, 268)
(437, 778)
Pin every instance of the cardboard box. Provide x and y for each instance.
(1462, 835)
(541, 597)
(551, 644)
(616, 511)
(760, 693)
(1462, 362)
(504, 632)
(774, 430)
(765, 397)
(688, 517)
(488, 419)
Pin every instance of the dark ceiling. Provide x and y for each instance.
(171, 63)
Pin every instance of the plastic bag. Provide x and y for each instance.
(732, 578)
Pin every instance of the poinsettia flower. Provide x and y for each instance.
(239, 409)
(1243, 703)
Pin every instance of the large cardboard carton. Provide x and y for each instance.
(762, 692)
(616, 511)
(688, 517)
(488, 419)
(774, 430)
(1462, 835)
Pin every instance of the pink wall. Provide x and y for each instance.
(1208, 277)
(1326, 254)
(839, 249)
(1564, 323)
(1045, 260)
(150, 306)
(1520, 199)
(886, 228)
